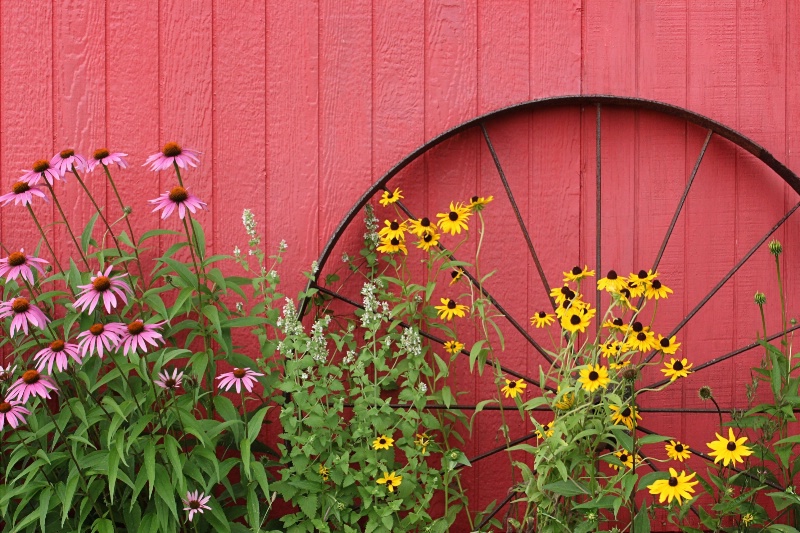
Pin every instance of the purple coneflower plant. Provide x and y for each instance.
(66, 160)
(7, 372)
(59, 353)
(12, 413)
(22, 193)
(237, 378)
(106, 158)
(137, 335)
(23, 313)
(32, 383)
(196, 502)
(167, 382)
(179, 198)
(19, 263)
(102, 285)
(172, 154)
(41, 171)
(99, 338)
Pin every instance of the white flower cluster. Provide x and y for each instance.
(282, 246)
(317, 346)
(374, 310)
(249, 222)
(349, 357)
(411, 342)
(423, 388)
(289, 323)
(371, 237)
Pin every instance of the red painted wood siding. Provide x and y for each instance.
(299, 106)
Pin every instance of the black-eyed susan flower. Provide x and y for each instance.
(643, 276)
(676, 368)
(454, 220)
(593, 377)
(545, 431)
(748, 519)
(450, 308)
(668, 346)
(566, 401)
(392, 246)
(393, 230)
(677, 487)
(577, 319)
(390, 197)
(730, 450)
(422, 440)
(623, 299)
(324, 472)
(453, 347)
(513, 388)
(626, 415)
(615, 324)
(612, 282)
(611, 349)
(636, 288)
(656, 290)
(382, 443)
(456, 275)
(542, 319)
(577, 273)
(617, 364)
(677, 451)
(419, 226)
(477, 203)
(428, 240)
(626, 459)
(559, 294)
(390, 480)
(571, 300)
(642, 341)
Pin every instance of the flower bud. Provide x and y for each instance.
(705, 393)
(775, 247)
(760, 299)
(127, 210)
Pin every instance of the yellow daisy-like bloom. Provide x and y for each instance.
(656, 290)
(677, 451)
(668, 346)
(611, 349)
(324, 472)
(393, 230)
(642, 276)
(455, 220)
(453, 347)
(616, 324)
(748, 519)
(389, 197)
(677, 487)
(730, 450)
(642, 341)
(566, 401)
(676, 368)
(594, 377)
(625, 415)
(570, 301)
(428, 240)
(383, 443)
(477, 203)
(577, 319)
(456, 275)
(636, 288)
(542, 319)
(420, 226)
(577, 273)
(450, 308)
(547, 429)
(616, 364)
(392, 246)
(626, 459)
(390, 480)
(513, 388)
(422, 440)
(623, 299)
(560, 294)
(611, 283)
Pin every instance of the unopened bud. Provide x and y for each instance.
(705, 393)
(775, 247)
(630, 373)
(760, 298)
(127, 210)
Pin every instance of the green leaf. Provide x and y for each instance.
(44, 505)
(155, 233)
(244, 447)
(260, 474)
(781, 528)
(308, 505)
(165, 491)
(650, 478)
(651, 439)
(199, 238)
(216, 517)
(567, 488)
(69, 493)
(641, 524)
(150, 464)
(86, 236)
(102, 525)
(255, 423)
(113, 470)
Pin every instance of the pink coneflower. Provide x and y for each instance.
(106, 158)
(18, 263)
(58, 352)
(66, 159)
(23, 313)
(172, 153)
(102, 286)
(41, 171)
(195, 502)
(99, 338)
(137, 335)
(165, 381)
(22, 193)
(6, 373)
(32, 383)
(180, 198)
(12, 413)
(237, 378)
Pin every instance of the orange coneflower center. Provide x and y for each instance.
(20, 305)
(134, 328)
(453, 216)
(677, 366)
(102, 153)
(101, 283)
(239, 373)
(731, 446)
(5, 407)
(20, 187)
(97, 329)
(16, 259)
(57, 346)
(611, 274)
(593, 376)
(41, 165)
(178, 194)
(30, 377)
(626, 412)
(171, 150)
(673, 482)
(451, 304)
(576, 271)
(574, 320)
(679, 448)
(66, 153)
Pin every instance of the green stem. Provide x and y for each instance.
(784, 341)
(128, 223)
(66, 222)
(44, 237)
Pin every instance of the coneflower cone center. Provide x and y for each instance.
(673, 482)
(395, 242)
(576, 271)
(611, 274)
(170, 383)
(451, 304)
(574, 320)
(101, 283)
(239, 373)
(66, 154)
(428, 237)
(20, 305)
(134, 328)
(731, 446)
(102, 153)
(593, 375)
(679, 448)
(626, 413)
(642, 274)
(194, 504)
(641, 336)
(20, 187)
(453, 216)
(16, 259)
(57, 346)
(656, 284)
(41, 165)
(381, 441)
(5, 407)
(677, 366)
(637, 327)
(178, 194)
(474, 199)
(171, 150)
(97, 329)
(30, 377)
(664, 343)
(512, 385)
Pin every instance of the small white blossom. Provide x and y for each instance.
(237, 253)
(423, 388)
(282, 246)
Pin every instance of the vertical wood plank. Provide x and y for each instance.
(556, 54)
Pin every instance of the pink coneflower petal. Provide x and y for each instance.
(237, 378)
(180, 198)
(172, 153)
(106, 158)
(12, 413)
(137, 335)
(99, 339)
(57, 352)
(22, 313)
(66, 160)
(22, 193)
(195, 502)
(32, 383)
(19, 264)
(103, 287)
(167, 382)
(42, 170)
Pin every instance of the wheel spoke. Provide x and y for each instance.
(518, 215)
(487, 518)
(501, 448)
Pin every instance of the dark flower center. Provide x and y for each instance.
(66, 154)
(565, 290)
(656, 284)
(512, 385)
(30, 377)
(57, 346)
(617, 322)
(97, 329)
(677, 366)
(679, 448)
(641, 337)
(394, 241)
(20, 305)
(642, 274)
(626, 293)
(102, 153)
(136, 327)
(451, 304)
(611, 274)
(453, 216)
(569, 295)
(239, 373)
(171, 150)
(5, 407)
(389, 194)
(566, 303)
(178, 195)
(731, 446)
(454, 274)
(41, 165)
(101, 283)
(20, 187)
(624, 457)
(425, 222)
(542, 314)
(428, 237)
(574, 320)
(637, 327)
(194, 504)
(673, 482)
(394, 226)
(664, 343)
(16, 259)
(5, 376)
(576, 271)
(474, 199)
(626, 412)
(170, 383)
(593, 376)
(381, 441)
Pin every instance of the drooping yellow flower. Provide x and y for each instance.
(623, 299)
(453, 347)
(611, 349)
(594, 377)
(636, 288)
(513, 388)
(418, 227)
(383, 443)
(668, 346)
(477, 203)
(577, 273)
(390, 480)
(677, 451)
(677, 487)
(393, 230)
(616, 324)
(748, 519)
(656, 290)
(559, 294)
(616, 364)
(730, 450)
(547, 431)
(450, 308)
(542, 319)
(677, 368)
(611, 283)
(422, 440)
(324, 472)
(392, 246)
(456, 275)
(389, 197)
(625, 415)
(565, 402)
(454, 220)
